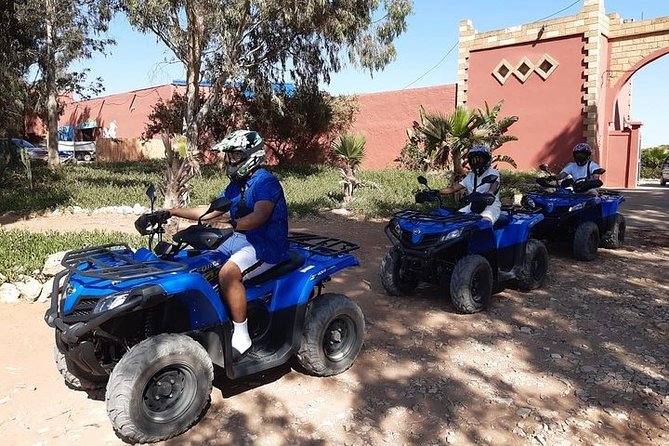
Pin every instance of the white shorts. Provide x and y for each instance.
(243, 254)
(490, 212)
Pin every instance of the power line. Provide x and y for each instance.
(558, 12)
(438, 63)
(457, 41)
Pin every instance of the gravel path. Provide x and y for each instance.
(583, 361)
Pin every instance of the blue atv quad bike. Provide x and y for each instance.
(574, 213)
(150, 325)
(463, 253)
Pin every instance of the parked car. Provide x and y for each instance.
(38, 153)
(78, 150)
(15, 145)
(664, 176)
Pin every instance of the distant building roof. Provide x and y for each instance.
(288, 88)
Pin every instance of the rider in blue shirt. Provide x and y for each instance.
(259, 216)
(270, 240)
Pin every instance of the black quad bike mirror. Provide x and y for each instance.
(221, 204)
(422, 180)
(544, 167)
(599, 171)
(151, 193)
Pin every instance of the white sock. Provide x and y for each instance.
(241, 341)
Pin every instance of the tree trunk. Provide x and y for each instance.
(349, 182)
(52, 101)
(180, 168)
(195, 31)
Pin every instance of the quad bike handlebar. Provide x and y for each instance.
(585, 185)
(152, 223)
(478, 201)
(579, 186)
(478, 198)
(425, 196)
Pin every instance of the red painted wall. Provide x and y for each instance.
(550, 111)
(129, 110)
(384, 117)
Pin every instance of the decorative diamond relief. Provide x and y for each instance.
(524, 69)
(546, 66)
(502, 71)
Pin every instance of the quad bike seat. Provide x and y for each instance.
(502, 221)
(294, 261)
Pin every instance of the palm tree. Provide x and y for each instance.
(180, 168)
(351, 150)
(495, 131)
(450, 137)
(447, 139)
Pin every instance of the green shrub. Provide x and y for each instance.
(308, 188)
(22, 252)
(651, 161)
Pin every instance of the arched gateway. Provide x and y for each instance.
(568, 80)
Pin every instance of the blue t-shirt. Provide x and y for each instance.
(270, 240)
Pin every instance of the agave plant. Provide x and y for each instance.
(350, 149)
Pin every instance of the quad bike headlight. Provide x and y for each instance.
(112, 301)
(451, 235)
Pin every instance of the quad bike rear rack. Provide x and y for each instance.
(115, 261)
(318, 244)
(458, 217)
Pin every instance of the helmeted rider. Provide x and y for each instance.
(259, 216)
(582, 167)
(479, 159)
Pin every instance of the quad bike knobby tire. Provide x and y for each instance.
(74, 377)
(535, 268)
(471, 284)
(391, 274)
(159, 388)
(586, 241)
(614, 238)
(333, 334)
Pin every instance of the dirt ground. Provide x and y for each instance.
(583, 361)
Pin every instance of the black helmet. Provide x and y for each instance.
(479, 159)
(243, 151)
(582, 153)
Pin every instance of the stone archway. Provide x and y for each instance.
(632, 45)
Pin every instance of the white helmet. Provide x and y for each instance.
(243, 151)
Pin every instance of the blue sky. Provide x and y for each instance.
(138, 61)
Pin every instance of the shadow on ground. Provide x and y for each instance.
(583, 359)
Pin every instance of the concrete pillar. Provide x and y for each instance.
(467, 34)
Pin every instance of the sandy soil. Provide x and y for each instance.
(583, 361)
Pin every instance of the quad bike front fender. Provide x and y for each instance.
(196, 296)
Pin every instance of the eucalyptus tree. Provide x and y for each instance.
(249, 44)
(18, 50)
(70, 30)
